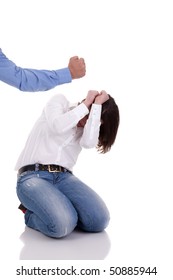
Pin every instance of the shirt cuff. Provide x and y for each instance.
(81, 110)
(64, 75)
(95, 112)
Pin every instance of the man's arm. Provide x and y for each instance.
(26, 79)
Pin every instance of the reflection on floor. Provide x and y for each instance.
(76, 246)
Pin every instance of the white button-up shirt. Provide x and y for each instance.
(56, 138)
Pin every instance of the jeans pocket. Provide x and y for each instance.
(26, 175)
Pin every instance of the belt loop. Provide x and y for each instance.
(36, 166)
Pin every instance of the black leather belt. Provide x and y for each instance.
(43, 167)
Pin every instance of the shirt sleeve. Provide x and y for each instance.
(92, 128)
(60, 117)
(26, 79)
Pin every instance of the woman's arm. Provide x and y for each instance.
(59, 116)
(92, 128)
(91, 132)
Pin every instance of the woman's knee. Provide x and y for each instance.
(56, 227)
(61, 229)
(95, 223)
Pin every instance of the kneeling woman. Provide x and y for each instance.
(55, 201)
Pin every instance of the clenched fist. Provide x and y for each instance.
(89, 100)
(101, 97)
(77, 67)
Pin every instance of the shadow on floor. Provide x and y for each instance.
(77, 246)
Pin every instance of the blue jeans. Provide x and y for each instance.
(59, 202)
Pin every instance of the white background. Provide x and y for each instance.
(128, 49)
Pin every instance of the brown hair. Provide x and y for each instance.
(109, 125)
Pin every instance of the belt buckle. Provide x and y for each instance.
(54, 170)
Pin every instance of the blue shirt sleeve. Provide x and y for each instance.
(26, 79)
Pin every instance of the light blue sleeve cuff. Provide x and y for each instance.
(64, 75)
